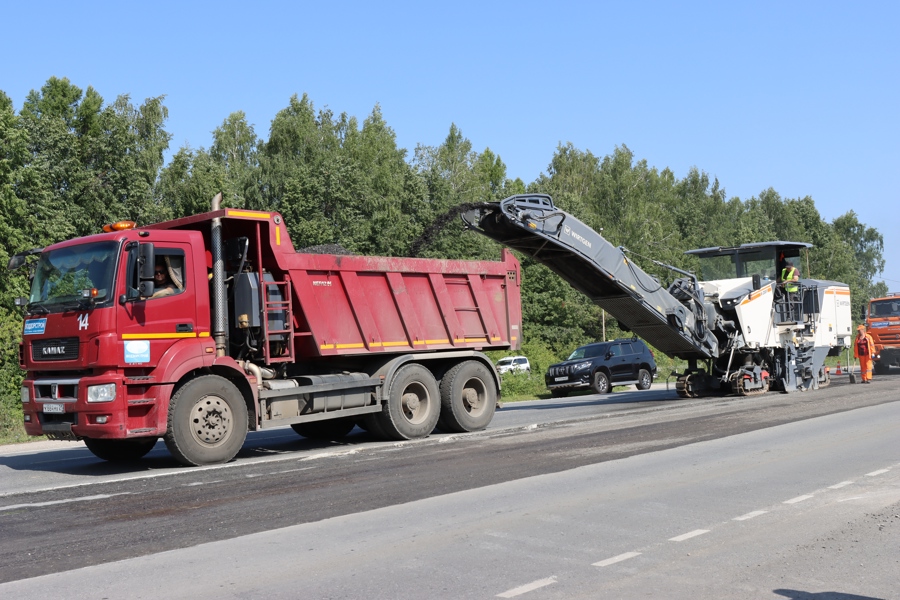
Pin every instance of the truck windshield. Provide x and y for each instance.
(885, 308)
(62, 275)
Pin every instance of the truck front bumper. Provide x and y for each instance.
(58, 407)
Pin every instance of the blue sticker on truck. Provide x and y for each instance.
(880, 324)
(137, 351)
(35, 326)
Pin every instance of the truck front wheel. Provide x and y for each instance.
(120, 450)
(413, 406)
(207, 421)
(468, 398)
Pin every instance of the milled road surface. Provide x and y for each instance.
(139, 513)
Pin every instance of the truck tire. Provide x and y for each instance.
(600, 383)
(372, 424)
(881, 369)
(413, 406)
(468, 398)
(207, 421)
(332, 430)
(120, 450)
(644, 380)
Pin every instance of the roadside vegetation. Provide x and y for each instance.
(70, 162)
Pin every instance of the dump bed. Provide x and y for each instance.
(360, 304)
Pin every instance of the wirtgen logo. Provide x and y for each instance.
(568, 231)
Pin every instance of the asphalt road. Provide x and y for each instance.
(512, 511)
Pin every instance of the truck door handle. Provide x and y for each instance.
(184, 328)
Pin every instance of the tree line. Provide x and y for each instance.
(71, 162)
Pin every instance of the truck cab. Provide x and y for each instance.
(883, 324)
(98, 348)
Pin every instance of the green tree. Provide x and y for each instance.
(68, 164)
(236, 148)
(457, 177)
(91, 164)
(867, 246)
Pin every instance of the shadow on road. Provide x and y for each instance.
(72, 459)
(798, 595)
(632, 397)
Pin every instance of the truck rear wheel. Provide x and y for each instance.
(468, 398)
(330, 430)
(120, 450)
(413, 405)
(207, 421)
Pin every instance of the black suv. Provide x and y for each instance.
(602, 365)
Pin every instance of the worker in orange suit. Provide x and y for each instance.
(864, 350)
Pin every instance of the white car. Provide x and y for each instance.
(513, 363)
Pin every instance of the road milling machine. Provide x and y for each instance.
(738, 330)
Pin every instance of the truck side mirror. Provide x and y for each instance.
(146, 260)
(141, 259)
(15, 262)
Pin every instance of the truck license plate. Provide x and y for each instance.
(55, 408)
(561, 379)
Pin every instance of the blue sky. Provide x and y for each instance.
(798, 96)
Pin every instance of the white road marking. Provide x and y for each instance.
(66, 501)
(798, 499)
(853, 498)
(838, 486)
(291, 471)
(688, 535)
(878, 472)
(750, 515)
(615, 559)
(528, 587)
(329, 454)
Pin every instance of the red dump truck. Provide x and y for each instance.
(240, 332)
(883, 323)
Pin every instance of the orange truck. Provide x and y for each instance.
(883, 323)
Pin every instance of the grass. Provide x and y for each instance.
(11, 429)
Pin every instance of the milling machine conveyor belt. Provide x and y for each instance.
(590, 264)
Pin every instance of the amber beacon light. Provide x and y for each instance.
(118, 226)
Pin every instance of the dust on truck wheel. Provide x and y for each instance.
(207, 421)
(413, 406)
(468, 397)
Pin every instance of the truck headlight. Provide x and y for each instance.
(101, 393)
(582, 365)
(24, 394)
